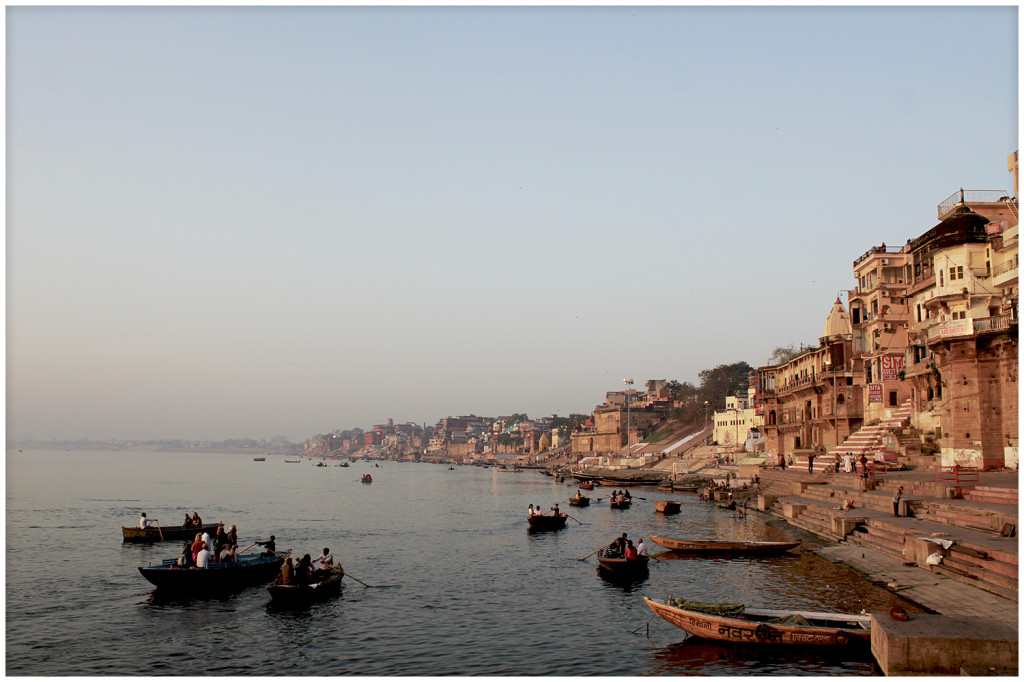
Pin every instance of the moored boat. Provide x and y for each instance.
(735, 623)
(725, 546)
(161, 533)
(667, 506)
(223, 576)
(547, 522)
(301, 595)
(579, 501)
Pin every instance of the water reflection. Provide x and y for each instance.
(711, 658)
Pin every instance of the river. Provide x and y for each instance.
(460, 587)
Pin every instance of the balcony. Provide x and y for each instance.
(1005, 274)
(993, 324)
(959, 328)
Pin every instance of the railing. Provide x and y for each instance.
(957, 475)
(1005, 267)
(992, 324)
(975, 196)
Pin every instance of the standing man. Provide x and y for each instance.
(810, 463)
(896, 501)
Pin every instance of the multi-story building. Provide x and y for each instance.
(813, 401)
(880, 320)
(962, 363)
(732, 424)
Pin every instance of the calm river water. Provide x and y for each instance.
(461, 587)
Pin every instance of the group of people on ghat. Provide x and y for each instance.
(621, 496)
(622, 548)
(302, 573)
(535, 511)
(204, 550)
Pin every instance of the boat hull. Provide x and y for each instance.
(667, 507)
(753, 628)
(546, 522)
(153, 534)
(621, 504)
(579, 502)
(623, 566)
(303, 595)
(724, 547)
(219, 577)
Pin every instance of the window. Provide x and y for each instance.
(941, 282)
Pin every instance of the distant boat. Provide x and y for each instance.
(293, 461)
(725, 546)
(159, 534)
(579, 501)
(367, 478)
(259, 459)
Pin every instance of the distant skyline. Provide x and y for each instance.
(235, 222)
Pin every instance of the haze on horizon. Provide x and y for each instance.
(250, 221)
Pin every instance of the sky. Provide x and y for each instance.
(252, 222)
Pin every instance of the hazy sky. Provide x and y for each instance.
(246, 222)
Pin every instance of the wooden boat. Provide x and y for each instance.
(579, 501)
(155, 534)
(343, 464)
(547, 522)
(620, 504)
(249, 569)
(504, 470)
(292, 461)
(667, 506)
(622, 566)
(725, 546)
(766, 626)
(259, 459)
(302, 595)
(586, 485)
(367, 478)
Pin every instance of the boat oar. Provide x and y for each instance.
(591, 554)
(159, 529)
(247, 548)
(576, 520)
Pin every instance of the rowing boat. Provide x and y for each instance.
(160, 533)
(302, 595)
(622, 566)
(547, 522)
(248, 569)
(667, 506)
(579, 501)
(764, 626)
(724, 546)
(620, 504)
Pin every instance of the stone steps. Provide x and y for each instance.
(879, 539)
(989, 494)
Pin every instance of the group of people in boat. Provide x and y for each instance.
(622, 548)
(302, 573)
(205, 550)
(535, 511)
(621, 496)
(367, 478)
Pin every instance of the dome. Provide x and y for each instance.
(838, 321)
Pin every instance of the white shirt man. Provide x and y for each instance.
(641, 548)
(144, 523)
(203, 558)
(326, 559)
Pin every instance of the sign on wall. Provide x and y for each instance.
(963, 327)
(892, 365)
(874, 393)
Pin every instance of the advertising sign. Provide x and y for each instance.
(963, 327)
(892, 365)
(874, 393)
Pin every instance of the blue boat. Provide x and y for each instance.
(247, 570)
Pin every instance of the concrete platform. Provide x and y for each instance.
(942, 645)
(934, 592)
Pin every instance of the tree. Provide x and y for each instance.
(722, 381)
